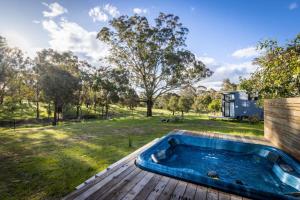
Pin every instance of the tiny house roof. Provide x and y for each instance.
(236, 91)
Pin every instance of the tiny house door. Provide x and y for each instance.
(231, 113)
(226, 109)
(228, 105)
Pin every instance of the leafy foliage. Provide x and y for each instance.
(58, 76)
(278, 74)
(130, 98)
(154, 55)
(173, 104)
(110, 85)
(215, 105)
(14, 79)
(185, 104)
(201, 102)
(228, 86)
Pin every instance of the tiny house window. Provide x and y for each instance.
(245, 104)
(232, 97)
(228, 97)
(252, 97)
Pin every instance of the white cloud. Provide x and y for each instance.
(55, 10)
(15, 39)
(97, 14)
(112, 10)
(207, 60)
(140, 11)
(69, 36)
(102, 13)
(228, 70)
(293, 6)
(248, 52)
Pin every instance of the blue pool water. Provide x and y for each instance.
(252, 170)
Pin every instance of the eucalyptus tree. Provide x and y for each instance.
(163, 101)
(184, 104)
(278, 72)
(215, 105)
(85, 75)
(227, 85)
(202, 101)
(3, 70)
(173, 104)
(155, 55)
(110, 84)
(129, 98)
(13, 74)
(58, 78)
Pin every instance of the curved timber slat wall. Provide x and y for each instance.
(282, 124)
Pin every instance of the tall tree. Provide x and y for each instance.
(215, 105)
(154, 55)
(163, 101)
(188, 91)
(3, 69)
(111, 84)
(13, 74)
(185, 104)
(130, 98)
(228, 86)
(58, 77)
(85, 76)
(202, 101)
(278, 73)
(173, 104)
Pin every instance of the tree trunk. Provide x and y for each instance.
(149, 107)
(78, 112)
(78, 107)
(48, 111)
(55, 115)
(173, 112)
(37, 103)
(182, 114)
(1, 99)
(37, 110)
(106, 110)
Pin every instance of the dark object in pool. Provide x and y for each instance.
(164, 154)
(213, 174)
(286, 168)
(172, 142)
(273, 157)
(239, 182)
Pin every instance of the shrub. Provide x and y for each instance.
(254, 119)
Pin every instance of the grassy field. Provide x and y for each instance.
(48, 162)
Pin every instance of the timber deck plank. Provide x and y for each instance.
(124, 180)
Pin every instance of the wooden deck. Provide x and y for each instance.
(124, 180)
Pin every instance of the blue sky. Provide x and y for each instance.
(223, 34)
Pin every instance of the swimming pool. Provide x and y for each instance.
(252, 170)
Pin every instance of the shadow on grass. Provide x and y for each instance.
(47, 167)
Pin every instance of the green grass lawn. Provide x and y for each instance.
(48, 162)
